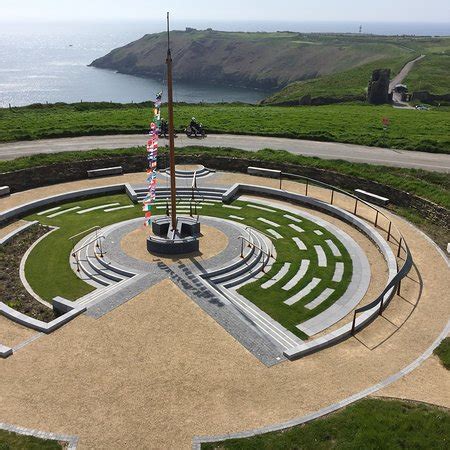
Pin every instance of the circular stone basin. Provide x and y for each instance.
(212, 242)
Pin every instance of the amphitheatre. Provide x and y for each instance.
(257, 330)
(175, 295)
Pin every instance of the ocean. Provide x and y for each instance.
(48, 62)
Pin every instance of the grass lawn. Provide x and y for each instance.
(433, 186)
(351, 123)
(368, 424)
(443, 352)
(13, 441)
(49, 273)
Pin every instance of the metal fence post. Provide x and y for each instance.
(332, 195)
(307, 184)
(376, 219)
(399, 287)
(281, 181)
(381, 305)
(354, 323)
(389, 231)
(399, 247)
(356, 207)
(242, 248)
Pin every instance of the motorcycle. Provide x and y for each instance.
(195, 131)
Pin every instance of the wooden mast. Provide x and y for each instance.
(173, 186)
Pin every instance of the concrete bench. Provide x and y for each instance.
(4, 190)
(105, 172)
(259, 171)
(372, 198)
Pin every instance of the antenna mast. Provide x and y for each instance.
(173, 187)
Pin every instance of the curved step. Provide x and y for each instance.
(115, 269)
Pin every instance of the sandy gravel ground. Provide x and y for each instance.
(157, 370)
(212, 242)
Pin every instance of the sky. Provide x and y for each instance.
(227, 10)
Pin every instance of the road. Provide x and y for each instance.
(325, 150)
(398, 79)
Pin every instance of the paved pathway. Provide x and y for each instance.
(325, 150)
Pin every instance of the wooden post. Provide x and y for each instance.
(173, 186)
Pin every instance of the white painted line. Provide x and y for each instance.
(232, 207)
(304, 292)
(63, 212)
(318, 232)
(293, 218)
(338, 272)
(43, 213)
(84, 211)
(298, 276)
(275, 234)
(199, 203)
(119, 208)
(299, 243)
(236, 217)
(296, 228)
(272, 224)
(261, 208)
(334, 249)
(282, 272)
(320, 299)
(321, 256)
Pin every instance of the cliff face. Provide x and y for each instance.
(256, 60)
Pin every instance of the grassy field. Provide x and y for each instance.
(431, 74)
(433, 186)
(350, 123)
(51, 256)
(368, 424)
(349, 82)
(13, 441)
(443, 352)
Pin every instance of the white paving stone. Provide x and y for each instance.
(269, 222)
(63, 212)
(293, 218)
(232, 207)
(320, 299)
(318, 232)
(333, 247)
(296, 228)
(48, 211)
(274, 233)
(298, 276)
(299, 243)
(281, 273)
(304, 292)
(236, 217)
(261, 208)
(84, 211)
(322, 258)
(338, 272)
(119, 208)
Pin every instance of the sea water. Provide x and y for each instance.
(48, 62)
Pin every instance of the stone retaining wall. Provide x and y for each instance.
(35, 177)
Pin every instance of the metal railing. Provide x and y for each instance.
(251, 230)
(98, 239)
(252, 244)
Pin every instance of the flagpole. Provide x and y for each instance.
(173, 187)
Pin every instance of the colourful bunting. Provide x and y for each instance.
(152, 158)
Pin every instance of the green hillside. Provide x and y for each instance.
(431, 74)
(256, 60)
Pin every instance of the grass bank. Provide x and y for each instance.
(369, 424)
(443, 352)
(13, 441)
(433, 186)
(350, 123)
